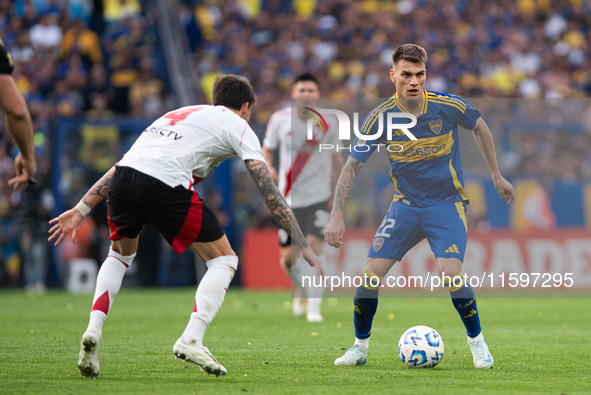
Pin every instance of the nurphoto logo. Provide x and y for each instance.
(318, 118)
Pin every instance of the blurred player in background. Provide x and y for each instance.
(306, 177)
(154, 182)
(18, 121)
(429, 199)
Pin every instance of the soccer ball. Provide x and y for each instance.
(420, 347)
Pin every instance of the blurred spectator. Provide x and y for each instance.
(98, 83)
(99, 108)
(46, 35)
(115, 10)
(21, 50)
(82, 40)
(67, 102)
(146, 94)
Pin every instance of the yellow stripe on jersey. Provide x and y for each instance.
(403, 109)
(462, 211)
(399, 195)
(376, 112)
(457, 183)
(424, 148)
(462, 110)
(454, 100)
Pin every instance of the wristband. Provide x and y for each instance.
(83, 208)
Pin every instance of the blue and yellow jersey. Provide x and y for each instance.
(426, 171)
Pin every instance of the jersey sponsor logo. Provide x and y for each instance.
(378, 244)
(436, 125)
(424, 149)
(163, 132)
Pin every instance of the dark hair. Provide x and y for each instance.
(233, 91)
(410, 52)
(306, 77)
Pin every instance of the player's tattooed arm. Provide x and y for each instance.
(69, 221)
(346, 182)
(275, 201)
(335, 229)
(99, 190)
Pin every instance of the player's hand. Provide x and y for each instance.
(335, 230)
(64, 224)
(313, 260)
(25, 169)
(505, 189)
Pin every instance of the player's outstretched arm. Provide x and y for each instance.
(336, 225)
(280, 210)
(70, 220)
(486, 144)
(20, 126)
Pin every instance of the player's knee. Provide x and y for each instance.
(126, 259)
(449, 266)
(212, 250)
(16, 109)
(286, 257)
(230, 261)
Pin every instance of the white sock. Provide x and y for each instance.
(363, 343)
(478, 337)
(295, 273)
(314, 288)
(108, 283)
(210, 296)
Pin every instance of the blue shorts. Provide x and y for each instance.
(404, 226)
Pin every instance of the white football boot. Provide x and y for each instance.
(298, 307)
(356, 355)
(481, 355)
(88, 360)
(313, 311)
(200, 356)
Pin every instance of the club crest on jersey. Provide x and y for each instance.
(436, 125)
(378, 243)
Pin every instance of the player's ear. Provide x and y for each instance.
(392, 75)
(245, 111)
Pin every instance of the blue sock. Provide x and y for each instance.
(463, 299)
(365, 306)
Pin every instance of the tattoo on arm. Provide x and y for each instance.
(275, 201)
(99, 190)
(346, 182)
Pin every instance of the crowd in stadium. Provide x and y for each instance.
(101, 59)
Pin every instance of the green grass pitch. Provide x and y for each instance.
(539, 345)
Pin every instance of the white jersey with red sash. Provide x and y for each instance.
(305, 173)
(184, 146)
